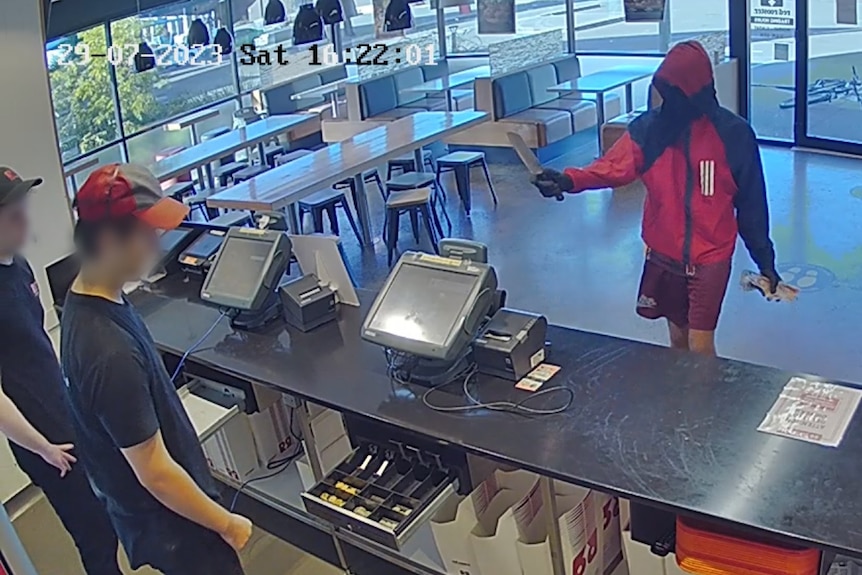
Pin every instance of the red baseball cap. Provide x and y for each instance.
(120, 190)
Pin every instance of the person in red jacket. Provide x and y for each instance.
(700, 164)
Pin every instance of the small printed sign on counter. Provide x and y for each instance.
(537, 378)
(813, 411)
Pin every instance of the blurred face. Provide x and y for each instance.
(14, 227)
(130, 253)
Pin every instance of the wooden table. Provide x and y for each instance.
(285, 185)
(191, 121)
(449, 82)
(255, 134)
(603, 82)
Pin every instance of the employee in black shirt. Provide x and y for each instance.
(140, 448)
(33, 410)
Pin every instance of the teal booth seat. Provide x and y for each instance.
(386, 97)
(279, 98)
(523, 97)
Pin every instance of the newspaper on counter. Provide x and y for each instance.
(813, 411)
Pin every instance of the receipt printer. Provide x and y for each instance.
(306, 303)
(511, 344)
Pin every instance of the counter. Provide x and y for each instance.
(654, 425)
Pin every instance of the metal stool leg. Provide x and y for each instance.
(425, 212)
(379, 183)
(352, 222)
(442, 203)
(462, 180)
(333, 219)
(414, 224)
(392, 240)
(437, 224)
(488, 177)
(317, 218)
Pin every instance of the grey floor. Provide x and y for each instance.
(579, 261)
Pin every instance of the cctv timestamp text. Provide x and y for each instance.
(375, 55)
(163, 55)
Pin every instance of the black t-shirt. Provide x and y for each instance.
(120, 395)
(29, 371)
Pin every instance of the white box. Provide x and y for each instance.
(589, 533)
(451, 526)
(495, 534)
(335, 454)
(610, 532)
(458, 516)
(640, 559)
(306, 475)
(265, 396)
(271, 430)
(327, 428)
(230, 451)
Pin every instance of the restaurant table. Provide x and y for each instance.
(329, 91)
(603, 82)
(285, 185)
(449, 82)
(255, 134)
(191, 121)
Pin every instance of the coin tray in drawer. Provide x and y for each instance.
(383, 503)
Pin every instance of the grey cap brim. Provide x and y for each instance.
(19, 191)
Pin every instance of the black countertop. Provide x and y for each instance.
(666, 427)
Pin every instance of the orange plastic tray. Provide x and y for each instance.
(704, 549)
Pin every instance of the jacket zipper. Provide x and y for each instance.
(689, 194)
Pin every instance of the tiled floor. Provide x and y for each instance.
(579, 261)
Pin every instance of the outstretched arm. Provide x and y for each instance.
(621, 165)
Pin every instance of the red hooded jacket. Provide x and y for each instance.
(701, 167)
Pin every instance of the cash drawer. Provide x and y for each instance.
(381, 495)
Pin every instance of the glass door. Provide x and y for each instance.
(772, 61)
(828, 68)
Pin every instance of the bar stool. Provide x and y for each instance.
(369, 177)
(249, 172)
(407, 163)
(416, 203)
(226, 172)
(180, 190)
(271, 152)
(199, 202)
(415, 180)
(461, 163)
(290, 156)
(327, 201)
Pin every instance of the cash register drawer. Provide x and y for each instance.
(386, 508)
(207, 416)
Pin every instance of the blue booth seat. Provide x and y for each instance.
(385, 97)
(523, 97)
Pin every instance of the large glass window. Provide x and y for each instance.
(81, 90)
(531, 16)
(601, 27)
(834, 67)
(184, 78)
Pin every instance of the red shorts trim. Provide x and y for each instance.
(693, 301)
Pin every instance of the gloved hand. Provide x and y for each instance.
(773, 277)
(553, 184)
